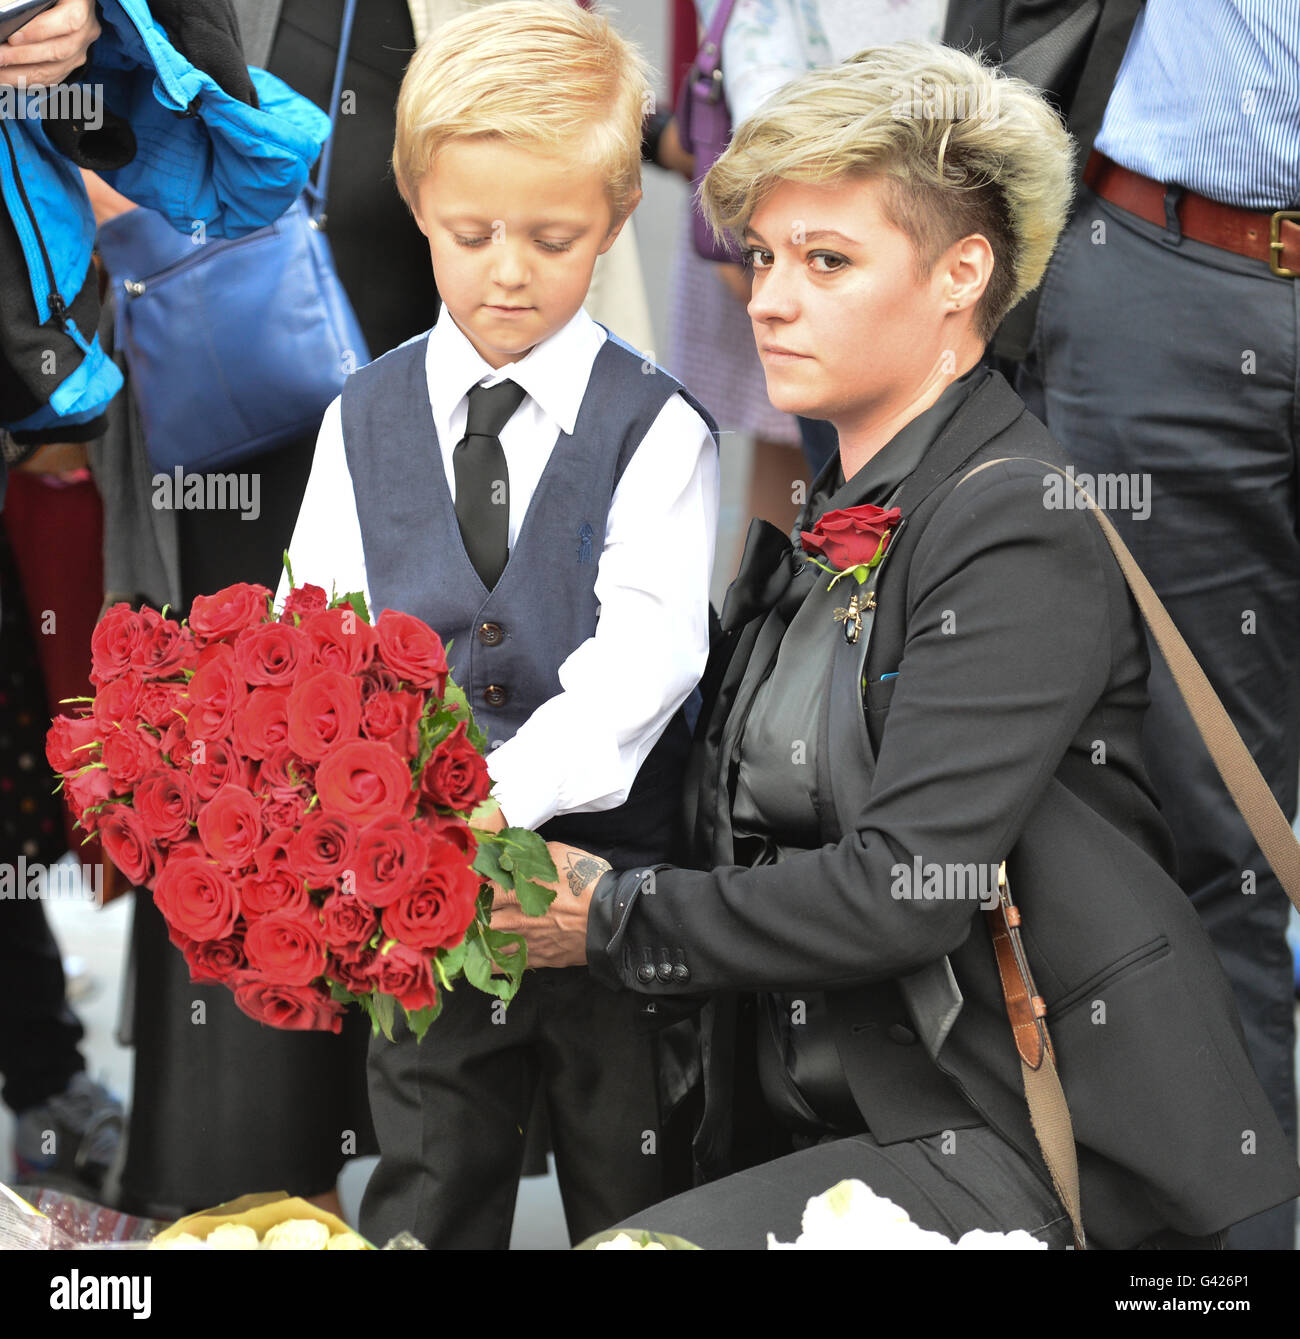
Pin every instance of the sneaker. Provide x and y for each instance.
(69, 1141)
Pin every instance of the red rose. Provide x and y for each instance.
(412, 650)
(363, 781)
(160, 704)
(216, 692)
(229, 611)
(851, 537)
(377, 679)
(298, 1008)
(440, 908)
(128, 845)
(115, 702)
(286, 947)
(456, 774)
(352, 970)
(340, 639)
(449, 828)
(116, 639)
(167, 804)
(175, 747)
(271, 654)
(391, 855)
(215, 960)
(262, 724)
(303, 600)
(165, 649)
(283, 809)
(349, 923)
(72, 742)
(197, 898)
(323, 847)
(230, 827)
(88, 790)
(277, 888)
(405, 973)
(394, 718)
(324, 710)
(282, 769)
(216, 763)
(128, 754)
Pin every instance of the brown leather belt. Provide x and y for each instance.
(1273, 238)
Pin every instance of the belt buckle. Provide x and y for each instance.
(1275, 243)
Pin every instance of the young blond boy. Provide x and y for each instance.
(595, 484)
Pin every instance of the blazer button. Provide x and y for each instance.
(645, 973)
(681, 974)
(903, 1036)
(494, 695)
(665, 971)
(491, 634)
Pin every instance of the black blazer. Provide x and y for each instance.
(1010, 731)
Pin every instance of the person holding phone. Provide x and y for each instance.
(50, 45)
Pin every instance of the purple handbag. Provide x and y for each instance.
(704, 127)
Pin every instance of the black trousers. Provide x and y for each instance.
(451, 1112)
(1175, 366)
(951, 1183)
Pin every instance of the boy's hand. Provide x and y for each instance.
(51, 46)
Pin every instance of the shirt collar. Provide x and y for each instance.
(554, 373)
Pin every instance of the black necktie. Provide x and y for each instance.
(482, 482)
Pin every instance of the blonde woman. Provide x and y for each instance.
(864, 771)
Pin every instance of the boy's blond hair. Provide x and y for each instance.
(963, 149)
(542, 74)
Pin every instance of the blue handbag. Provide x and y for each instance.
(237, 346)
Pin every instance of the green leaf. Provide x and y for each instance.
(454, 695)
(420, 1020)
(288, 569)
(385, 1012)
(478, 971)
(341, 993)
(533, 898)
(529, 857)
(358, 602)
(487, 862)
(449, 963)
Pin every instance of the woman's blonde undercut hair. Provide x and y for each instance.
(964, 148)
(540, 74)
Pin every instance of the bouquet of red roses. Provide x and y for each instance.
(300, 794)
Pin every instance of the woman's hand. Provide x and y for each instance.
(559, 938)
(51, 46)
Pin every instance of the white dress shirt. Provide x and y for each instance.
(581, 750)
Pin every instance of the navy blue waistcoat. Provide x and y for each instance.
(506, 645)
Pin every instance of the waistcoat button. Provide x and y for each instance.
(491, 634)
(494, 695)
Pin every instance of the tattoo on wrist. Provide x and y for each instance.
(582, 870)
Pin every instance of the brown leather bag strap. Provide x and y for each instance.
(1248, 789)
(1049, 1113)
(1048, 1110)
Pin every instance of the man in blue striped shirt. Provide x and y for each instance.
(1168, 346)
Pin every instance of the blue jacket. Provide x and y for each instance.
(202, 157)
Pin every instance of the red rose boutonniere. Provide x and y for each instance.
(852, 541)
